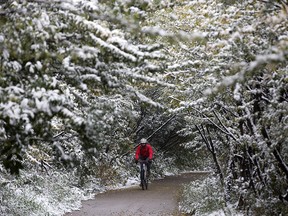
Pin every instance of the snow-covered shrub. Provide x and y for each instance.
(202, 197)
(266, 206)
(36, 193)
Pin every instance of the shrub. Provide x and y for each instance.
(202, 197)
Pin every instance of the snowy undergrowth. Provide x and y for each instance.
(36, 193)
(205, 197)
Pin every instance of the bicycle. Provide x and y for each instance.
(143, 173)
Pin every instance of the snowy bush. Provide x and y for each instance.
(201, 197)
(35, 194)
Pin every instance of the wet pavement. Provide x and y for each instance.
(160, 199)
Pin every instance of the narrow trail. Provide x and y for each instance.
(160, 199)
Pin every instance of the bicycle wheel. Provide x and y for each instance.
(145, 178)
(142, 174)
(146, 184)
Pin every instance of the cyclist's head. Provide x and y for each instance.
(143, 141)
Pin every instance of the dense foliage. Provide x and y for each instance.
(234, 94)
(72, 63)
(81, 81)
(72, 76)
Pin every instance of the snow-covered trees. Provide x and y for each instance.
(233, 90)
(60, 60)
(72, 70)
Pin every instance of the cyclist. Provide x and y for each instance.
(144, 151)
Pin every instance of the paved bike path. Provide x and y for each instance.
(159, 200)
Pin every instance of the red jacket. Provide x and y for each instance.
(144, 152)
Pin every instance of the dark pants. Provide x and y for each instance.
(148, 164)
